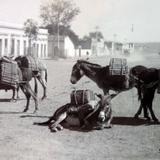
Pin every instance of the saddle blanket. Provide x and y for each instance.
(30, 62)
(118, 66)
(80, 97)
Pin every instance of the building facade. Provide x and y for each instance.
(61, 46)
(13, 41)
(84, 48)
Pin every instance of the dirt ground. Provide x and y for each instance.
(129, 139)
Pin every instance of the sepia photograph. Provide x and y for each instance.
(79, 80)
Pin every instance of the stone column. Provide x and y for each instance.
(9, 45)
(15, 47)
(39, 50)
(21, 46)
(46, 50)
(3, 46)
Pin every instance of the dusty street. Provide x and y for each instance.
(127, 140)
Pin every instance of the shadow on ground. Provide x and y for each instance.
(130, 121)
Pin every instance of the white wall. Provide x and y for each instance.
(69, 47)
(10, 31)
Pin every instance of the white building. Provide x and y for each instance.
(61, 46)
(13, 41)
(84, 48)
(99, 48)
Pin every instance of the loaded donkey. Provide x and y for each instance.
(95, 114)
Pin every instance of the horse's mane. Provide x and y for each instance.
(89, 63)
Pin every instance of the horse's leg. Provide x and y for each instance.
(34, 96)
(43, 82)
(139, 111)
(145, 110)
(27, 94)
(108, 125)
(14, 93)
(17, 92)
(152, 113)
(53, 126)
(36, 86)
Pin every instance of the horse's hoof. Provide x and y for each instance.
(35, 111)
(99, 127)
(44, 97)
(108, 126)
(59, 127)
(25, 110)
(53, 129)
(13, 100)
(18, 97)
(148, 118)
(136, 116)
(156, 121)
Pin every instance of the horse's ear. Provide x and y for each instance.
(99, 96)
(79, 60)
(113, 95)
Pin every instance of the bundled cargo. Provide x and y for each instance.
(118, 66)
(30, 62)
(80, 97)
(8, 73)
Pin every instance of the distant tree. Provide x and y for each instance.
(97, 35)
(58, 12)
(64, 31)
(31, 31)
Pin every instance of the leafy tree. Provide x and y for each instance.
(58, 12)
(31, 31)
(97, 35)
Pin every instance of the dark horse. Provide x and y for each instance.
(92, 115)
(40, 73)
(147, 80)
(100, 75)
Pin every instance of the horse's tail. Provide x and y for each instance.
(46, 123)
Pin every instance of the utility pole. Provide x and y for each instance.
(132, 44)
(96, 28)
(58, 36)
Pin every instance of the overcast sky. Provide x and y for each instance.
(114, 17)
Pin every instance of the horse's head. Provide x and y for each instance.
(77, 72)
(18, 60)
(105, 107)
(135, 73)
